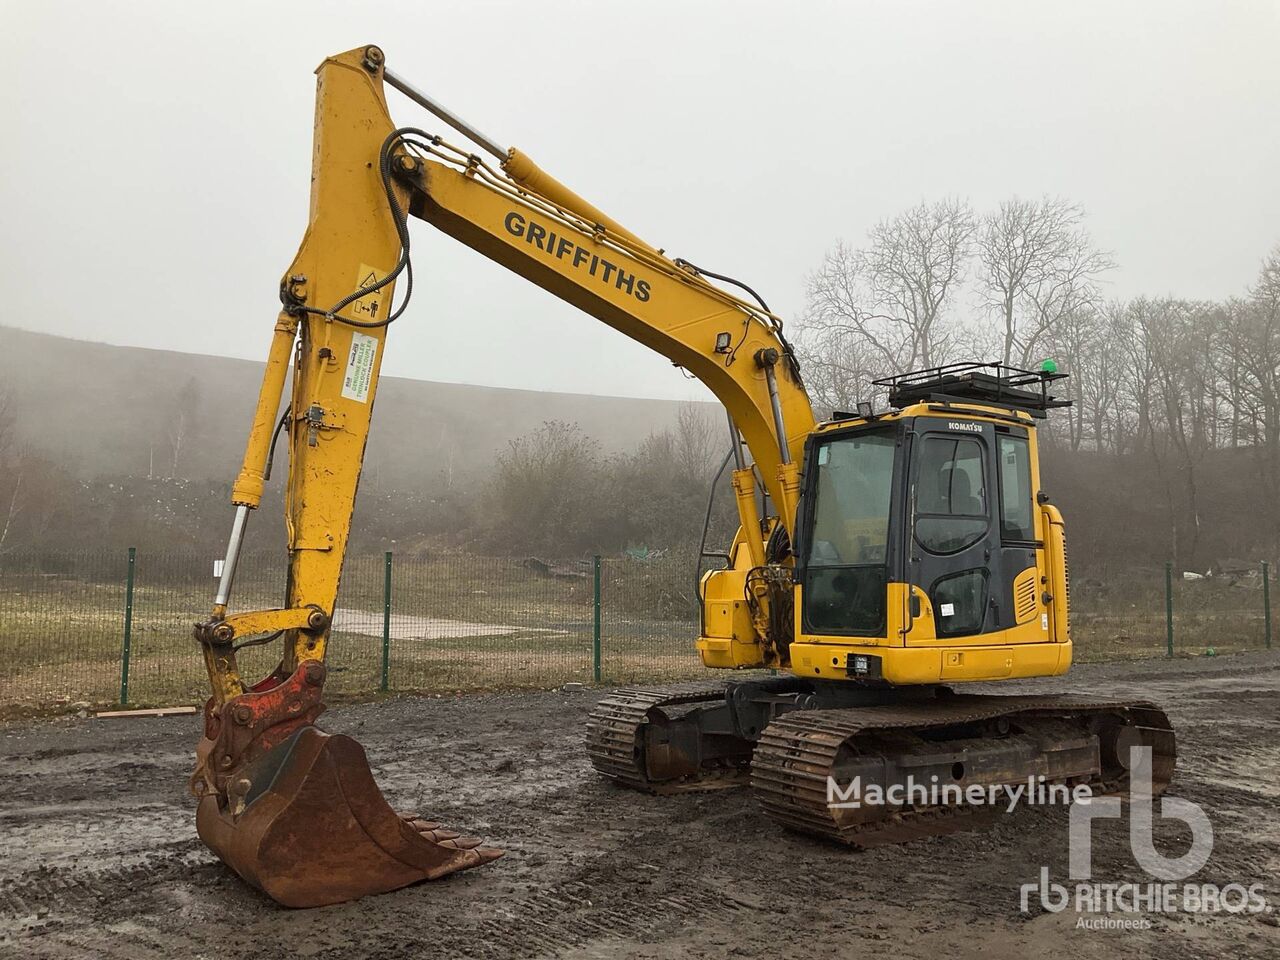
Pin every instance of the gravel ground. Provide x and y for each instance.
(99, 858)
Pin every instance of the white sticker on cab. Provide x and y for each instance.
(947, 610)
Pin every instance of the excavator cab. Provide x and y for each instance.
(924, 548)
(943, 504)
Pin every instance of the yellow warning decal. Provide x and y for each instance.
(371, 308)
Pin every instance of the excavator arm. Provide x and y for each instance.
(266, 777)
(367, 176)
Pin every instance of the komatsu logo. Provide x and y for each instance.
(562, 248)
(966, 427)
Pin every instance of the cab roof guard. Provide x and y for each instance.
(991, 383)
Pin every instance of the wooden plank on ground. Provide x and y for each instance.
(152, 712)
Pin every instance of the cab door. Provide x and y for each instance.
(953, 543)
(1022, 563)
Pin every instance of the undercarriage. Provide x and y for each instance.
(868, 765)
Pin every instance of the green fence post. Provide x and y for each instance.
(128, 628)
(1168, 607)
(595, 630)
(1266, 603)
(386, 624)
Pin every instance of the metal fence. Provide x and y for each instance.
(116, 626)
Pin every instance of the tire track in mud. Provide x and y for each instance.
(54, 914)
(60, 897)
(547, 922)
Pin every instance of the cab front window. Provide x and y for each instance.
(846, 562)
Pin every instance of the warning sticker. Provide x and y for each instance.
(359, 375)
(373, 307)
(948, 610)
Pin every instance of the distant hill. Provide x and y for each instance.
(109, 411)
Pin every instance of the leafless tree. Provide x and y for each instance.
(839, 367)
(1258, 333)
(698, 444)
(1169, 371)
(6, 424)
(1038, 266)
(181, 421)
(545, 490)
(893, 293)
(1081, 339)
(11, 472)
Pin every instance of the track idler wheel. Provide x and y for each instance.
(303, 820)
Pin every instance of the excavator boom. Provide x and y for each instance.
(268, 780)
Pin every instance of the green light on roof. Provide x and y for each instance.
(1048, 366)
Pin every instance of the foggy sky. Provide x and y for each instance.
(155, 157)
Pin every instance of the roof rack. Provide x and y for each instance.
(992, 383)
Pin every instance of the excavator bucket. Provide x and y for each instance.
(301, 817)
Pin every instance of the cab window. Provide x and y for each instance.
(960, 601)
(851, 513)
(1016, 509)
(845, 563)
(951, 494)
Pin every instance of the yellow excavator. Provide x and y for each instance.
(882, 557)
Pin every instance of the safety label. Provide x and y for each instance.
(371, 307)
(359, 375)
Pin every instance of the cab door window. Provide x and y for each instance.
(951, 494)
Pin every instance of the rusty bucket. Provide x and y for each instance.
(300, 816)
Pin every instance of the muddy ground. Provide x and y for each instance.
(99, 858)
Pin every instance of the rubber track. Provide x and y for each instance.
(797, 752)
(614, 737)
